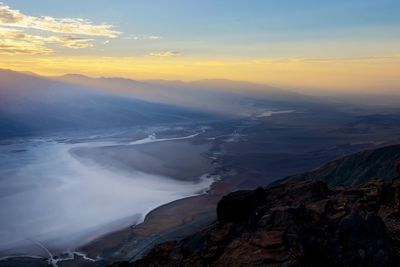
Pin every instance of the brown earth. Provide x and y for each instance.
(303, 223)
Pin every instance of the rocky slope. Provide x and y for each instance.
(300, 223)
(355, 169)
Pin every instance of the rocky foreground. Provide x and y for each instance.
(301, 223)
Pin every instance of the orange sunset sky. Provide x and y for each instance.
(319, 45)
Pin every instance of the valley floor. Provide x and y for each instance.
(244, 154)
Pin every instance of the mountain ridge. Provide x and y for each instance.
(35, 105)
(295, 223)
(354, 169)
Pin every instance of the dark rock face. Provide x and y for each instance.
(324, 227)
(239, 206)
(302, 223)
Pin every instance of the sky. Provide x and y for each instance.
(341, 45)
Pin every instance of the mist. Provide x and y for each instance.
(52, 198)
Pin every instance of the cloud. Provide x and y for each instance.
(165, 54)
(8, 15)
(16, 42)
(70, 41)
(23, 49)
(14, 18)
(142, 37)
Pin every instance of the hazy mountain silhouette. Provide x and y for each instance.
(223, 96)
(34, 104)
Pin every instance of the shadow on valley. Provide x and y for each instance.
(103, 170)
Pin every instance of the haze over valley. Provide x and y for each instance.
(113, 144)
(136, 134)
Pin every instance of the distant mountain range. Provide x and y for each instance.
(222, 96)
(30, 103)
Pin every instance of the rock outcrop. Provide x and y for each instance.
(305, 223)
